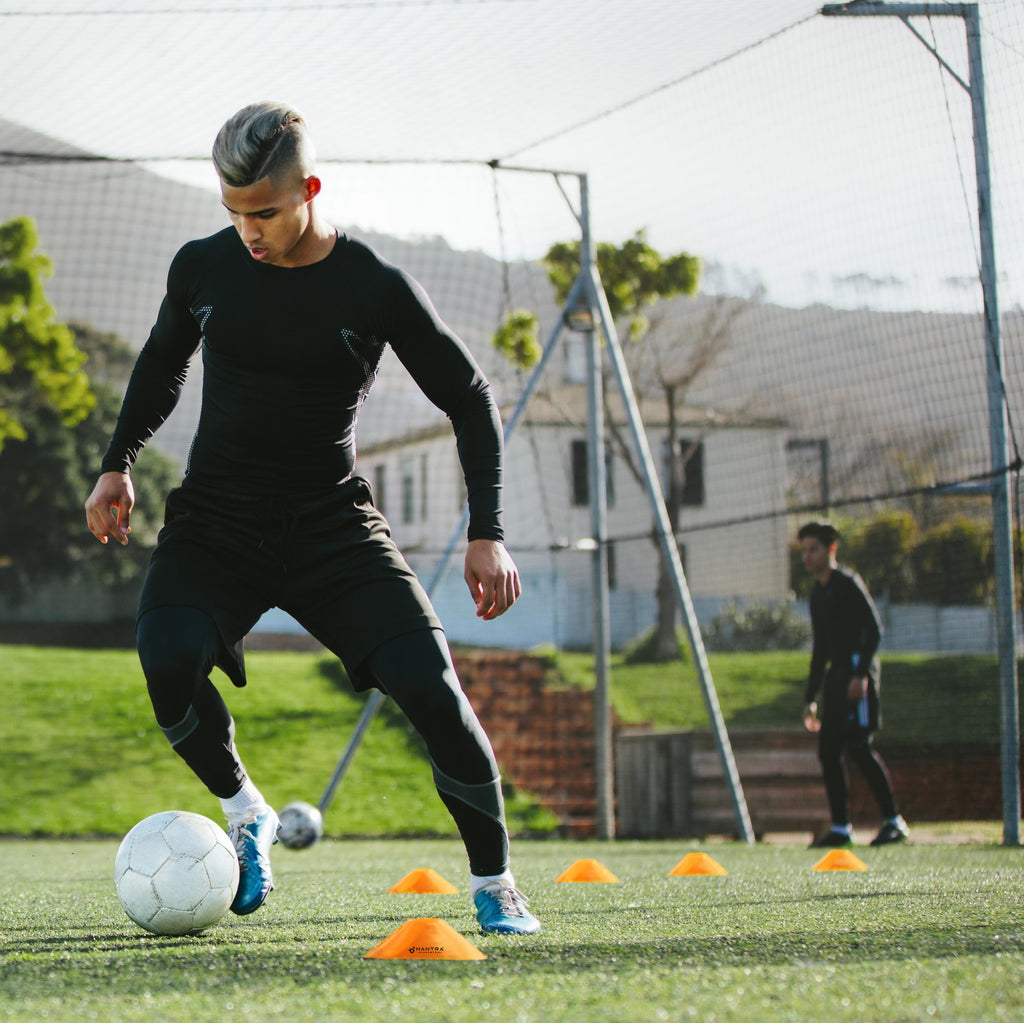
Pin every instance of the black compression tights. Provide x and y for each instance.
(416, 671)
(178, 649)
(832, 744)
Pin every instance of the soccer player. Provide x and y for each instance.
(292, 319)
(847, 631)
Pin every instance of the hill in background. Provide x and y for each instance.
(111, 229)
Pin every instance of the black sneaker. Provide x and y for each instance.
(832, 839)
(891, 832)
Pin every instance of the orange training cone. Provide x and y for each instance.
(423, 880)
(839, 859)
(425, 938)
(697, 863)
(586, 870)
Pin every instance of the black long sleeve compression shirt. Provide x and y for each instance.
(847, 630)
(289, 356)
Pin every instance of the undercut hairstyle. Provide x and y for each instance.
(263, 140)
(821, 530)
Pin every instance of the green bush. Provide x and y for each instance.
(953, 564)
(758, 627)
(880, 551)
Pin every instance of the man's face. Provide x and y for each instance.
(817, 557)
(272, 218)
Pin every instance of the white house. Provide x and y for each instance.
(734, 472)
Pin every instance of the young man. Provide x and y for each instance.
(292, 319)
(847, 631)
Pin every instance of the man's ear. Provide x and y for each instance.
(311, 187)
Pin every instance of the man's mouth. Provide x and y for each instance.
(257, 253)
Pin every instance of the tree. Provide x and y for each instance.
(881, 552)
(634, 276)
(670, 369)
(40, 365)
(49, 474)
(638, 278)
(953, 564)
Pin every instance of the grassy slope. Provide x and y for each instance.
(79, 751)
(926, 698)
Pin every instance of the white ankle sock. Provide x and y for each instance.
(246, 800)
(478, 881)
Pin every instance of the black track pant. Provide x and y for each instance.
(178, 647)
(833, 742)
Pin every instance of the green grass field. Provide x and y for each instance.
(927, 932)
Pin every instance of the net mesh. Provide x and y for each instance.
(821, 167)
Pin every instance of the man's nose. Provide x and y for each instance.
(250, 229)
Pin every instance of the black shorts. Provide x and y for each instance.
(328, 560)
(839, 715)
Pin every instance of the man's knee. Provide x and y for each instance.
(859, 748)
(177, 649)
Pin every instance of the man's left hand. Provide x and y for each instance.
(492, 578)
(857, 689)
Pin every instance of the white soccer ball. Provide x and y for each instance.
(176, 872)
(301, 825)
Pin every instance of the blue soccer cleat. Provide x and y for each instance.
(252, 840)
(501, 909)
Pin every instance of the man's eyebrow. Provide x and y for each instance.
(252, 213)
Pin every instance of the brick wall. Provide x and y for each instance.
(543, 738)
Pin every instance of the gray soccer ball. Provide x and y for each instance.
(302, 825)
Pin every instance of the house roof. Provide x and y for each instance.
(566, 406)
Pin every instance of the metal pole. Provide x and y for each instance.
(603, 755)
(671, 553)
(1002, 526)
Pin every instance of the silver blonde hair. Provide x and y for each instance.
(263, 140)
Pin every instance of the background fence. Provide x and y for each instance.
(821, 168)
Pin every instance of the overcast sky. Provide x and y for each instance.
(830, 158)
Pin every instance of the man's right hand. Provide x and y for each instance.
(811, 722)
(109, 507)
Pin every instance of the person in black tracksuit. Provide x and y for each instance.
(844, 662)
(292, 319)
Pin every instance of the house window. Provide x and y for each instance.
(581, 477)
(613, 571)
(691, 462)
(408, 476)
(424, 507)
(380, 476)
(690, 466)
